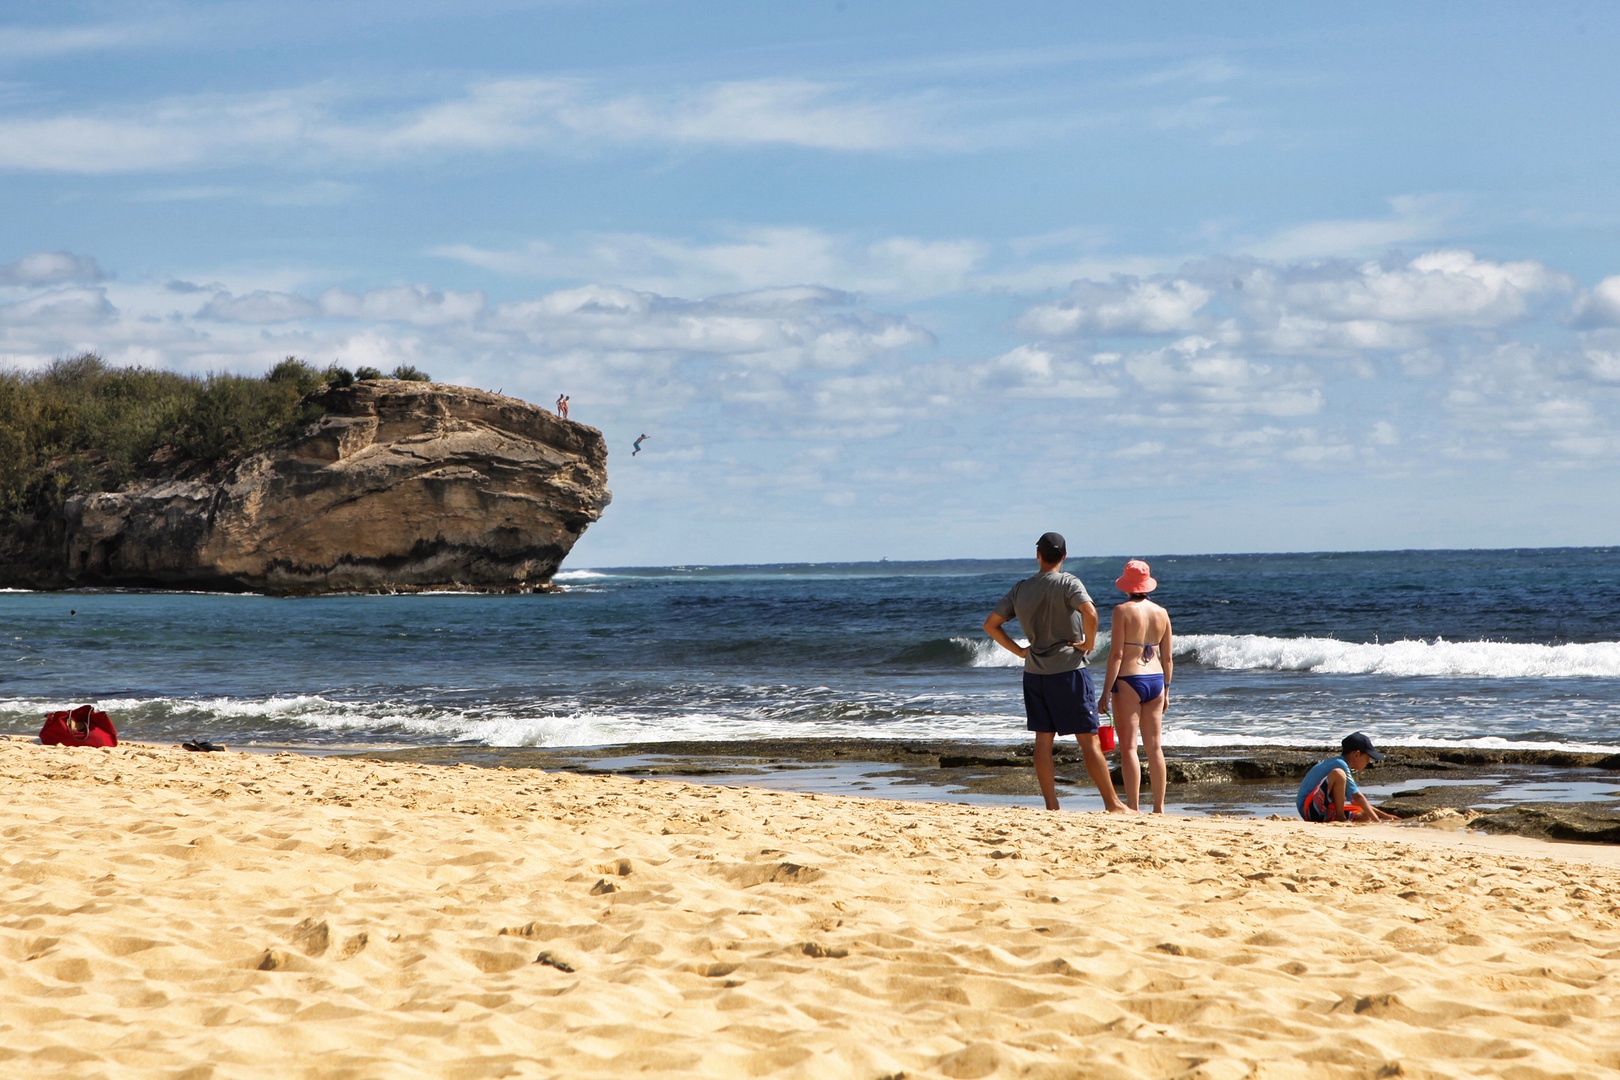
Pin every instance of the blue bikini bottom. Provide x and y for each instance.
(1147, 687)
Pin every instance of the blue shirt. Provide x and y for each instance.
(1318, 773)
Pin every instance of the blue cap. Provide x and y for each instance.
(1358, 741)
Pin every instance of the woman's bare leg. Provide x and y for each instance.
(1152, 721)
(1127, 719)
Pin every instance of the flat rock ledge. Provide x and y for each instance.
(399, 487)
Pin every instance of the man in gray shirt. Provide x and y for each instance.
(1060, 620)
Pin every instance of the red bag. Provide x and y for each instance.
(81, 727)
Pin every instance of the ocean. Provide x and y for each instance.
(1446, 648)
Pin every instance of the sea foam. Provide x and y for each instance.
(1326, 656)
(1437, 658)
(579, 575)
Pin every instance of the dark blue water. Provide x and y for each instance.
(1480, 648)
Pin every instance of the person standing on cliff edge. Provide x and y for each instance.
(1058, 617)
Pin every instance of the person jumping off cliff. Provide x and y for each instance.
(638, 443)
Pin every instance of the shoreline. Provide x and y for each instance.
(1481, 790)
(1557, 796)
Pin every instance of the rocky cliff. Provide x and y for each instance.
(399, 486)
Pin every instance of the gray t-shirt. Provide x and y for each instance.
(1047, 606)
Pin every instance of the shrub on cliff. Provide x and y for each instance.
(80, 424)
(404, 372)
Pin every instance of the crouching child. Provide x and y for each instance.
(1325, 789)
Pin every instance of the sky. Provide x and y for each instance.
(906, 280)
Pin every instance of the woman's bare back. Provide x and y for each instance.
(1142, 628)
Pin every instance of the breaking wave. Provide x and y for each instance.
(958, 652)
(1437, 658)
(1325, 656)
(315, 721)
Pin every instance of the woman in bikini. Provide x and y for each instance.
(1138, 681)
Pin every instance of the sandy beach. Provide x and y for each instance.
(228, 915)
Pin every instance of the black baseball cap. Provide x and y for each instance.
(1052, 544)
(1357, 741)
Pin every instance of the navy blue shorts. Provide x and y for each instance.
(1065, 703)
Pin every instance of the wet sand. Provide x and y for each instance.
(1548, 794)
(232, 915)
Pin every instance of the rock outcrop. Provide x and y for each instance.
(400, 486)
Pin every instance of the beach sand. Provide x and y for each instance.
(196, 916)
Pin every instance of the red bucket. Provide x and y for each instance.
(1105, 735)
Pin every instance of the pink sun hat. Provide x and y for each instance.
(1137, 578)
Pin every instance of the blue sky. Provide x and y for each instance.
(904, 280)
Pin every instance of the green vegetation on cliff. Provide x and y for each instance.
(82, 425)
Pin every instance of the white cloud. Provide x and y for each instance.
(1527, 401)
(169, 134)
(1601, 306)
(1329, 308)
(1048, 374)
(784, 300)
(815, 364)
(1552, 415)
(1301, 334)
(1416, 219)
(315, 193)
(1268, 446)
(491, 116)
(1198, 113)
(1123, 305)
(749, 259)
(794, 112)
(410, 304)
(326, 123)
(1199, 378)
(1603, 364)
(33, 42)
(762, 350)
(1194, 382)
(259, 306)
(1451, 288)
(1207, 70)
(74, 306)
(735, 329)
(50, 267)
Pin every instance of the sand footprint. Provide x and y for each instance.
(311, 937)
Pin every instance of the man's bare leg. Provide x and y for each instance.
(1045, 775)
(1097, 768)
